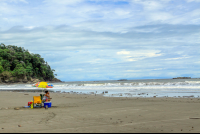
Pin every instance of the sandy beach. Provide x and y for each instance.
(97, 114)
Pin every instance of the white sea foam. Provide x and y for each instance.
(187, 83)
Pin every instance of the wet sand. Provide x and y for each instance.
(97, 114)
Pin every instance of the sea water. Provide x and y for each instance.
(126, 88)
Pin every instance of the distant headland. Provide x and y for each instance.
(122, 80)
(182, 78)
(17, 65)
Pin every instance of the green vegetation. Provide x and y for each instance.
(18, 63)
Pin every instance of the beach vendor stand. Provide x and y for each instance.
(38, 100)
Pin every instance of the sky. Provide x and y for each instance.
(86, 40)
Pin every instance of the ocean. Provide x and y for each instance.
(126, 88)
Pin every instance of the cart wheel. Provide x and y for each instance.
(46, 107)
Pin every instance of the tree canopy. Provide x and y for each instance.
(19, 63)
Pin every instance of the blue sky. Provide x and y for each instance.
(107, 39)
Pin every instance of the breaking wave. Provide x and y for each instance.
(186, 83)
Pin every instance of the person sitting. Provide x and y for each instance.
(47, 96)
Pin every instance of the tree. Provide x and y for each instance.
(6, 75)
(6, 64)
(29, 69)
(2, 46)
(19, 71)
(20, 63)
(1, 69)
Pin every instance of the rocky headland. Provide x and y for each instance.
(14, 80)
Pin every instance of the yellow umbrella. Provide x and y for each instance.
(43, 85)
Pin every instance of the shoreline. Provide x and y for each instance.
(92, 94)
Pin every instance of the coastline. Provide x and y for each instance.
(81, 113)
(41, 90)
(26, 81)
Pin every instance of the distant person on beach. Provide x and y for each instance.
(47, 96)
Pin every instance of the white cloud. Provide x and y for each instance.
(95, 61)
(139, 55)
(162, 16)
(131, 59)
(24, 1)
(29, 27)
(78, 69)
(195, 13)
(193, 17)
(193, 0)
(96, 17)
(150, 5)
(152, 54)
(62, 2)
(121, 12)
(14, 1)
(178, 58)
(123, 52)
(133, 70)
(158, 69)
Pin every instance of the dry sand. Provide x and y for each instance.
(97, 114)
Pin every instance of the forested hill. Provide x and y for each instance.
(18, 65)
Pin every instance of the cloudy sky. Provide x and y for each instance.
(107, 39)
